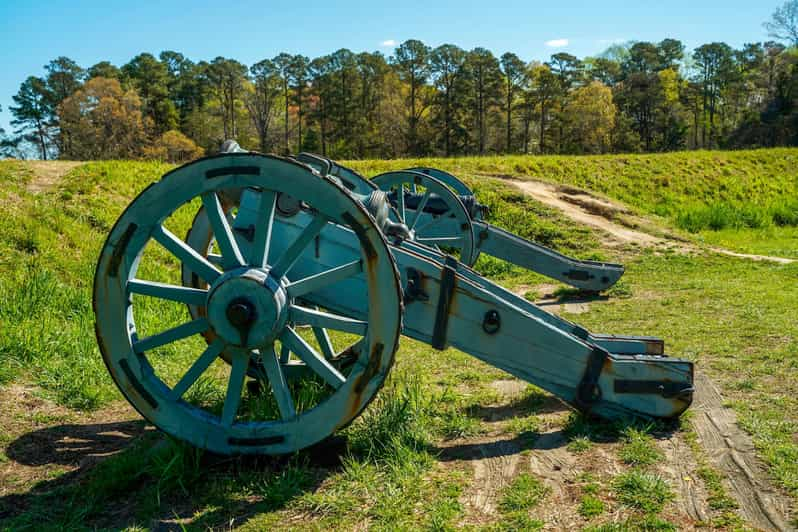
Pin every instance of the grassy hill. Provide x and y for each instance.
(699, 190)
(734, 317)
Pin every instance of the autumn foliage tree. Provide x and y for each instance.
(173, 147)
(589, 119)
(104, 122)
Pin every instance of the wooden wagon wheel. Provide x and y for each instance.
(446, 178)
(439, 217)
(251, 302)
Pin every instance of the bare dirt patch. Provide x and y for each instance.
(46, 174)
(44, 443)
(731, 451)
(614, 220)
(587, 210)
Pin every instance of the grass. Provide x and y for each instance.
(590, 506)
(638, 448)
(682, 185)
(642, 491)
(391, 468)
(519, 498)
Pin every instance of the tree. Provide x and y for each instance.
(541, 95)
(150, 78)
(715, 66)
(174, 147)
(187, 83)
(8, 146)
(263, 99)
(372, 70)
(604, 70)
(283, 63)
(64, 77)
(344, 79)
(783, 24)
(446, 67)
(568, 71)
(484, 77)
(227, 77)
(590, 118)
(298, 72)
(103, 69)
(513, 69)
(103, 121)
(32, 114)
(411, 59)
(321, 81)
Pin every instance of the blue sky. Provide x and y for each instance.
(32, 33)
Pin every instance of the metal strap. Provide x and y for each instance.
(666, 389)
(588, 392)
(448, 285)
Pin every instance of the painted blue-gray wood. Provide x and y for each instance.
(329, 266)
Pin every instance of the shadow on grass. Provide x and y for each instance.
(536, 403)
(127, 474)
(578, 427)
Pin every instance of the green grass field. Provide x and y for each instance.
(412, 460)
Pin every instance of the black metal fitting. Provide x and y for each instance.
(492, 322)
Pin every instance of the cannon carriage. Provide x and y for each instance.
(286, 257)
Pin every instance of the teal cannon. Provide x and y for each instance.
(275, 321)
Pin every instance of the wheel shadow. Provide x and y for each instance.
(148, 479)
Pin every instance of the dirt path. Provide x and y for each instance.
(731, 451)
(727, 447)
(604, 215)
(47, 173)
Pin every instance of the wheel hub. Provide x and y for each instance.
(247, 308)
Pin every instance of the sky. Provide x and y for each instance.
(88, 31)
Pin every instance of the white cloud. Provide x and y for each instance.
(557, 43)
(389, 42)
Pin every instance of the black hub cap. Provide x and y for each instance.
(242, 315)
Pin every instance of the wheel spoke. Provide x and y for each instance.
(420, 208)
(188, 256)
(263, 228)
(285, 354)
(400, 198)
(279, 386)
(323, 279)
(238, 373)
(198, 368)
(181, 294)
(316, 362)
(221, 230)
(319, 318)
(171, 335)
(291, 255)
(441, 240)
(216, 259)
(325, 344)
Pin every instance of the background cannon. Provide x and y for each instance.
(442, 211)
(276, 321)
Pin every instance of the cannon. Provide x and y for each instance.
(297, 277)
(440, 210)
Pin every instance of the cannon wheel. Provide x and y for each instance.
(200, 237)
(250, 304)
(446, 178)
(409, 181)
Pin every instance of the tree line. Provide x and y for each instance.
(419, 101)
